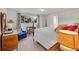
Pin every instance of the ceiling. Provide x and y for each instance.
(47, 10)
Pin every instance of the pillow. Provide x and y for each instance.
(71, 28)
(75, 26)
(23, 29)
(66, 27)
(59, 27)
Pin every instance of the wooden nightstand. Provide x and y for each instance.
(10, 41)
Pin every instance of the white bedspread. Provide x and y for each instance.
(46, 37)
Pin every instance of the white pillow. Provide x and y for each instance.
(23, 28)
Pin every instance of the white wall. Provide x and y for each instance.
(52, 20)
(69, 18)
(49, 20)
(4, 10)
(43, 20)
(11, 14)
(63, 18)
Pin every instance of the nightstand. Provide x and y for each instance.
(10, 41)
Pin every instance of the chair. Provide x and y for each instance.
(22, 35)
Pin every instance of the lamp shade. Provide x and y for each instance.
(10, 24)
(10, 21)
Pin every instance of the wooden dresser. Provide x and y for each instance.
(10, 41)
(68, 39)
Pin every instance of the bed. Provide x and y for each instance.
(46, 37)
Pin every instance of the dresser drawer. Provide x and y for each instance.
(11, 37)
(66, 40)
(62, 35)
(10, 42)
(76, 42)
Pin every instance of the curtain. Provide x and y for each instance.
(38, 22)
(18, 20)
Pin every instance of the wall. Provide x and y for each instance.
(46, 20)
(11, 14)
(4, 10)
(69, 18)
(52, 20)
(43, 20)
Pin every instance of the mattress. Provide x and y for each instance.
(46, 37)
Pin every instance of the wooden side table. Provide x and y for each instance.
(10, 41)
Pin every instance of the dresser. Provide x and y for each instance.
(68, 40)
(10, 41)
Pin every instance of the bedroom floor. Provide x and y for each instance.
(28, 44)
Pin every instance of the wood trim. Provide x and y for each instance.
(41, 45)
(55, 47)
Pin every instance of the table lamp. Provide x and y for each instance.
(10, 23)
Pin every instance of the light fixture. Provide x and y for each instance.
(42, 10)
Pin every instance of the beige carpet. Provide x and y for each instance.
(28, 44)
